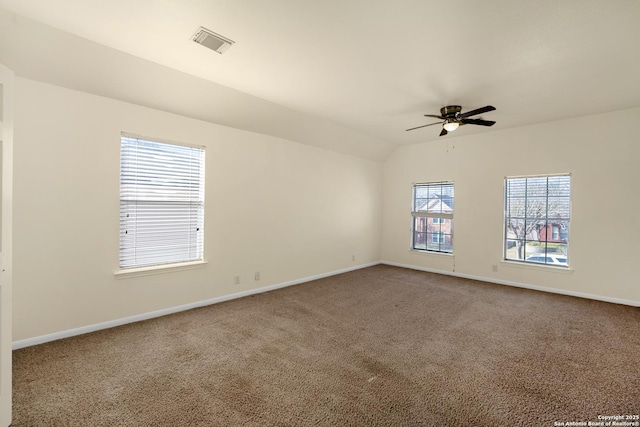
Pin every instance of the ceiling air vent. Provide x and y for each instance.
(212, 40)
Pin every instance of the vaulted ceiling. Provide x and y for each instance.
(347, 75)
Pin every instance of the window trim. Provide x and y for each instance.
(424, 214)
(524, 262)
(149, 270)
(537, 266)
(169, 266)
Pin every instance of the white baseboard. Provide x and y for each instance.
(150, 315)
(519, 285)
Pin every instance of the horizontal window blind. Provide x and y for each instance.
(161, 203)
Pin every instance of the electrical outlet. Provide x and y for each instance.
(494, 268)
(236, 280)
(353, 257)
(257, 276)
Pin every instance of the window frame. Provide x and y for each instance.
(183, 197)
(549, 221)
(437, 218)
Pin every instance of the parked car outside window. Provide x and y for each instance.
(548, 259)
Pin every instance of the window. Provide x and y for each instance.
(432, 207)
(161, 203)
(537, 214)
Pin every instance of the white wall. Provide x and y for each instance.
(292, 211)
(601, 152)
(285, 209)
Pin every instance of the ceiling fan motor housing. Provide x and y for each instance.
(450, 111)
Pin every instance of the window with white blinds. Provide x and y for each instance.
(161, 203)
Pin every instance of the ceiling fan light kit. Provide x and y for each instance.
(452, 118)
(450, 125)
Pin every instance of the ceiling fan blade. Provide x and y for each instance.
(434, 116)
(444, 132)
(423, 126)
(477, 122)
(477, 111)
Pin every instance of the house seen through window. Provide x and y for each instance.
(537, 215)
(161, 202)
(432, 217)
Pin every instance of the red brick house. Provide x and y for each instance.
(552, 233)
(434, 232)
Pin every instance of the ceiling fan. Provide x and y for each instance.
(452, 117)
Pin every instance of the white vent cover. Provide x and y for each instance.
(212, 40)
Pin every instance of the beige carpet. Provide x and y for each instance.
(382, 346)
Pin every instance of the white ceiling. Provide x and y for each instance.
(349, 75)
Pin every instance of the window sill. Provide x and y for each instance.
(539, 267)
(158, 269)
(424, 251)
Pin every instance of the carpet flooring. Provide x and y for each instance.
(381, 346)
